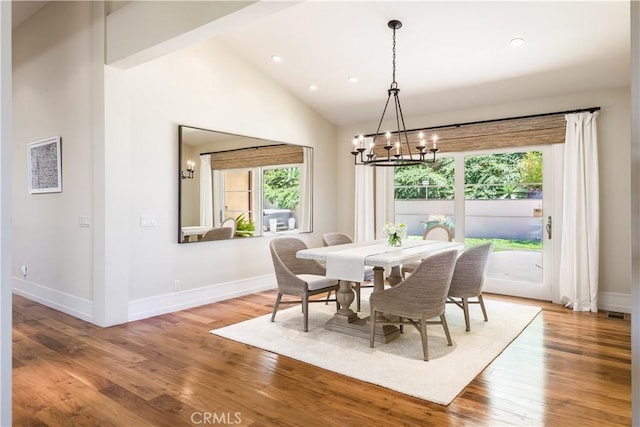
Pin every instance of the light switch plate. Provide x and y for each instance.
(85, 221)
(147, 220)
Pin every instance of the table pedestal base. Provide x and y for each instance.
(361, 328)
(346, 321)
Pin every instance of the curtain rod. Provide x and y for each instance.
(457, 125)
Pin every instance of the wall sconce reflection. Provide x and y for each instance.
(191, 168)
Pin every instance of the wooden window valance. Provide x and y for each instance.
(257, 156)
(503, 133)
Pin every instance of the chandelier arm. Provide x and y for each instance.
(371, 151)
(384, 111)
(400, 119)
(404, 128)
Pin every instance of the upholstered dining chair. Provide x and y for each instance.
(231, 223)
(219, 233)
(468, 278)
(435, 232)
(438, 232)
(418, 298)
(331, 239)
(298, 277)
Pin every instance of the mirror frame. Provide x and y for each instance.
(260, 142)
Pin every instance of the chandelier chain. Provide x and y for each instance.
(394, 83)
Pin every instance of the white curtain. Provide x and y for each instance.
(579, 244)
(364, 209)
(306, 190)
(206, 192)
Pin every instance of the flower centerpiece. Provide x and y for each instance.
(395, 233)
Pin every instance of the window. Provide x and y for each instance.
(268, 196)
(424, 195)
(281, 197)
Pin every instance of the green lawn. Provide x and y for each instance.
(501, 244)
(507, 245)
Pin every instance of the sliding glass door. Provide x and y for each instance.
(505, 205)
(499, 197)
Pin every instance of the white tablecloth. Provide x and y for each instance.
(348, 264)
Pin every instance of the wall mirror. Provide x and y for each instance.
(233, 186)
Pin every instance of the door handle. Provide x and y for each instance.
(549, 227)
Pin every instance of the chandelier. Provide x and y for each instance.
(397, 149)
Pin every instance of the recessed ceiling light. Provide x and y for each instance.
(353, 79)
(276, 58)
(313, 87)
(518, 41)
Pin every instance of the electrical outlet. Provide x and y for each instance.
(23, 269)
(147, 220)
(176, 285)
(85, 222)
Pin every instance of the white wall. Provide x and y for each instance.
(52, 96)
(614, 152)
(206, 86)
(120, 161)
(5, 214)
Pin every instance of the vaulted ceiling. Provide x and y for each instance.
(450, 54)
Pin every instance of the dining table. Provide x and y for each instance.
(347, 262)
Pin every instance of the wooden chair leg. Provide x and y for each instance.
(358, 296)
(328, 297)
(305, 311)
(465, 308)
(484, 310)
(275, 306)
(443, 319)
(425, 340)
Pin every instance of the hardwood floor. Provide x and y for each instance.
(565, 369)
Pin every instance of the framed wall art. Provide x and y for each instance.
(44, 166)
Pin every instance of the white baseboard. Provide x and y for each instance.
(144, 307)
(61, 301)
(175, 301)
(612, 301)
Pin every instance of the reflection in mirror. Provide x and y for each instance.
(234, 186)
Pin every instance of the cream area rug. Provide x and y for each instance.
(397, 365)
